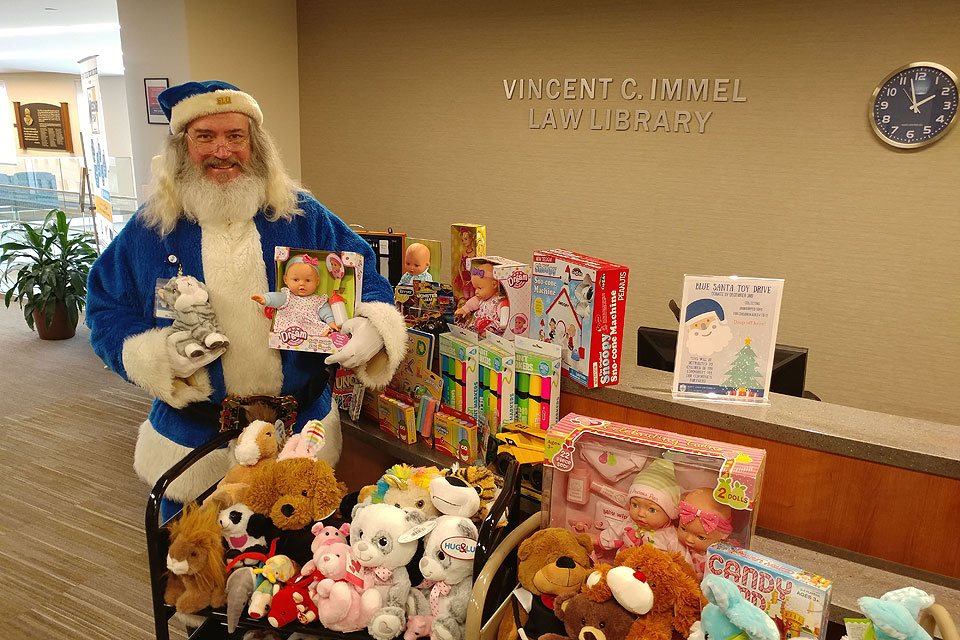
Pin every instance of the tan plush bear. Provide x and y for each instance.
(295, 492)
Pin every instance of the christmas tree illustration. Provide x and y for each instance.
(743, 373)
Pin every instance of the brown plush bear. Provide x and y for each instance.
(296, 492)
(552, 562)
(584, 618)
(659, 588)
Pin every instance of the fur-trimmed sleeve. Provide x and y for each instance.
(388, 322)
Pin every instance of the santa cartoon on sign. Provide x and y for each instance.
(707, 332)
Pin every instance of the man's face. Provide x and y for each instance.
(219, 163)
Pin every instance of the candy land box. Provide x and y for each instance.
(590, 466)
(796, 600)
(579, 303)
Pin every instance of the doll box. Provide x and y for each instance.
(516, 283)
(579, 303)
(287, 331)
(591, 465)
(466, 241)
(796, 600)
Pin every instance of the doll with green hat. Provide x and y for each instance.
(654, 505)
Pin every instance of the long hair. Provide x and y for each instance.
(164, 205)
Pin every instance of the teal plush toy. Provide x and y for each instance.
(728, 615)
(894, 614)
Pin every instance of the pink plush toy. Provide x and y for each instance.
(340, 604)
(418, 627)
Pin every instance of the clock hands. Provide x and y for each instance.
(917, 104)
(913, 98)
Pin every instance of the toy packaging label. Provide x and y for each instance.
(420, 301)
(538, 367)
(600, 467)
(796, 600)
(348, 392)
(298, 323)
(397, 416)
(579, 302)
(514, 283)
(455, 434)
(466, 241)
(458, 367)
(495, 378)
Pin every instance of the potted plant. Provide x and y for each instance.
(47, 268)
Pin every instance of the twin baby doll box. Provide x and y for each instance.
(613, 481)
(579, 303)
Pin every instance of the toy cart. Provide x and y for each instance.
(214, 621)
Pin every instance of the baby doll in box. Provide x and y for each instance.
(489, 304)
(296, 304)
(416, 262)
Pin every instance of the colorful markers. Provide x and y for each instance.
(538, 380)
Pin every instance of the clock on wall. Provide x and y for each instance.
(915, 105)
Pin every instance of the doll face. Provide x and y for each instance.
(466, 239)
(301, 279)
(416, 259)
(647, 513)
(692, 535)
(487, 286)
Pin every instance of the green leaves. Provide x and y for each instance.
(47, 266)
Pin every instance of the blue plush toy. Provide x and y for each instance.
(728, 615)
(894, 615)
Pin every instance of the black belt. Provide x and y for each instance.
(232, 412)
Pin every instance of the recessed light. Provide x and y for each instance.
(50, 9)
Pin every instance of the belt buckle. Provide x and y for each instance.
(233, 411)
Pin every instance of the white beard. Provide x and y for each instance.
(718, 336)
(207, 201)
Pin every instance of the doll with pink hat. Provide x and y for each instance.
(653, 501)
(702, 521)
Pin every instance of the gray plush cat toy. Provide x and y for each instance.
(195, 326)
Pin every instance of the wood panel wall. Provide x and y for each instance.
(891, 513)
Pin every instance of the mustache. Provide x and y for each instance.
(221, 163)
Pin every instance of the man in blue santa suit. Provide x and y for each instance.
(220, 201)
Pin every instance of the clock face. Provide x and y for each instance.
(915, 105)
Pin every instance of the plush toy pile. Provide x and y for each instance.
(402, 566)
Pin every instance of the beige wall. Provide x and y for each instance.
(405, 124)
(51, 88)
(255, 48)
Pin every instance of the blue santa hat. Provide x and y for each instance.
(184, 103)
(703, 307)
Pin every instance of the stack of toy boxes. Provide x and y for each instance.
(796, 600)
(397, 416)
(579, 303)
(538, 382)
(593, 466)
(515, 281)
(455, 434)
(346, 279)
(496, 377)
(466, 241)
(458, 367)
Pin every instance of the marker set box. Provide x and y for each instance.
(495, 399)
(538, 366)
(455, 434)
(397, 416)
(458, 367)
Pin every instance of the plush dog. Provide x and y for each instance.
(296, 492)
(659, 588)
(729, 614)
(244, 531)
(383, 541)
(551, 562)
(447, 567)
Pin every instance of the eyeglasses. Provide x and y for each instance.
(207, 143)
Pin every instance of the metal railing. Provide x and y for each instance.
(31, 204)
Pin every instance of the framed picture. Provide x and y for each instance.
(151, 89)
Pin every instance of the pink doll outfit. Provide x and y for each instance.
(487, 312)
(306, 312)
(658, 484)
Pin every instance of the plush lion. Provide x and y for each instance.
(196, 576)
(659, 588)
(295, 492)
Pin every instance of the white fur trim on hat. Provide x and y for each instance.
(205, 104)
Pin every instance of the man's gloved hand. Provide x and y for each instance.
(184, 367)
(365, 342)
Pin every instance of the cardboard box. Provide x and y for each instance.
(594, 468)
(495, 400)
(798, 601)
(579, 303)
(397, 416)
(538, 367)
(466, 241)
(455, 434)
(458, 367)
(515, 285)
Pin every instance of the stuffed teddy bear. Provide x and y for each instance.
(383, 541)
(338, 600)
(660, 588)
(326, 534)
(195, 325)
(894, 614)
(296, 492)
(584, 618)
(447, 568)
(244, 531)
(550, 563)
(728, 614)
